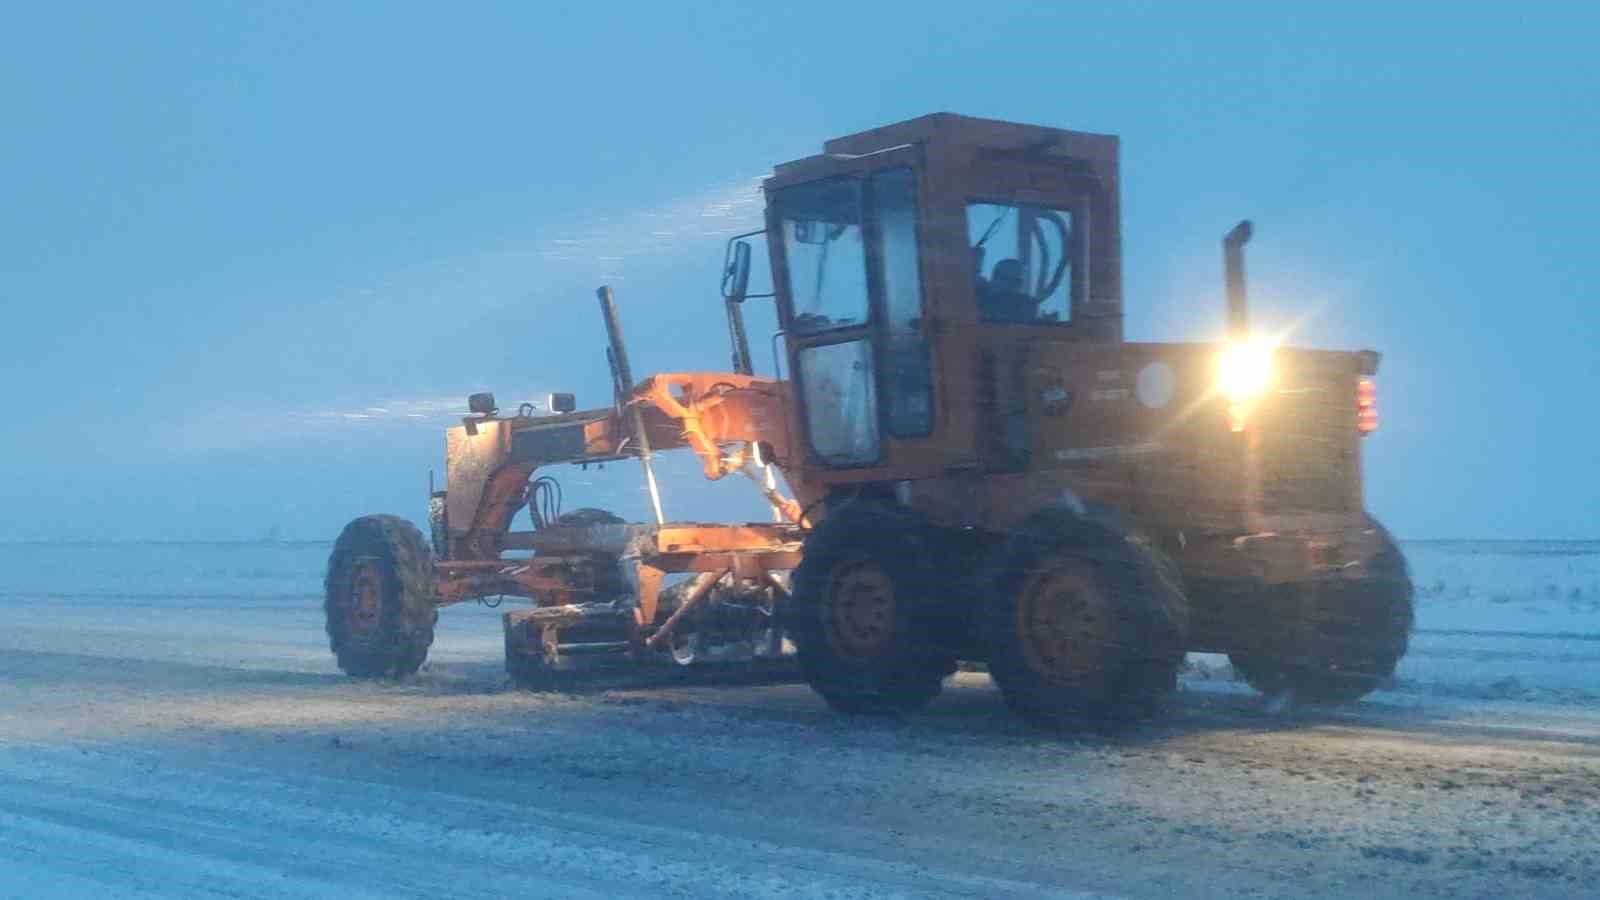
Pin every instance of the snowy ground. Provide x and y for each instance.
(171, 724)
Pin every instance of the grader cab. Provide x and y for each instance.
(982, 468)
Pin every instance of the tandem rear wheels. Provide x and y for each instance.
(1085, 626)
(851, 614)
(1078, 622)
(379, 598)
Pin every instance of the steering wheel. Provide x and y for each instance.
(1049, 280)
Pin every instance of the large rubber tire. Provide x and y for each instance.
(1349, 640)
(379, 598)
(1085, 625)
(853, 613)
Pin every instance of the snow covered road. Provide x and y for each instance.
(172, 725)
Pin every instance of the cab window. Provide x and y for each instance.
(822, 243)
(1022, 262)
(841, 402)
(908, 385)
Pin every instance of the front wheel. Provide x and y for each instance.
(379, 598)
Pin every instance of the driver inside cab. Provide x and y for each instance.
(1002, 298)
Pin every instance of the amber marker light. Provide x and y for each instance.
(1366, 406)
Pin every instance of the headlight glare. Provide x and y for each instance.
(1245, 370)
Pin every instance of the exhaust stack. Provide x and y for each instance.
(1233, 278)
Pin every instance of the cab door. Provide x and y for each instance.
(852, 305)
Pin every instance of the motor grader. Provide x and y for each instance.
(982, 468)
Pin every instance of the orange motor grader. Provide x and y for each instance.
(983, 468)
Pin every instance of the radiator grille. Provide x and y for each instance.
(1310, 450)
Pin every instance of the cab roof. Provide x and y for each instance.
(957, 133)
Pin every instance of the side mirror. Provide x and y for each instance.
(736, 272)
(481, 404)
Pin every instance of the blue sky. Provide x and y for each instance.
(248, 251)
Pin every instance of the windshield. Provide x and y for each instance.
(821, 224)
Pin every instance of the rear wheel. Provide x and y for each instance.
(1084, 626)
(379, 598)
(1350, 637)
(853, 614)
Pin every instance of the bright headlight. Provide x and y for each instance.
(1245, 370)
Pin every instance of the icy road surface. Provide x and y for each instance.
(171, 724)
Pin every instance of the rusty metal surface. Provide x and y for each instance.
(642, 540)
(565, 556)
(700, 589)
(487, 472)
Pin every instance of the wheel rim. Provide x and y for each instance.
(1065, 620)
(364, 610)
(858, 612)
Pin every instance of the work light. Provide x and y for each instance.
(1244, 370)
